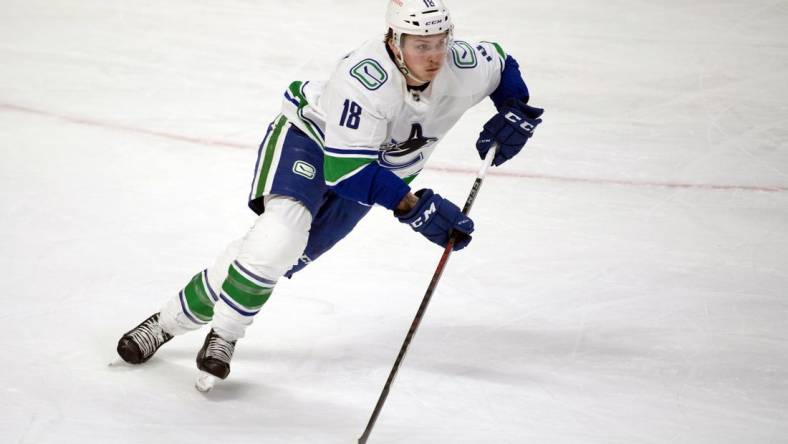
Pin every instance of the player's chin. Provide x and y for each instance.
(430, 74)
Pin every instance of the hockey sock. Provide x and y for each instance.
(191, 308)
(243, 294)
(198, 299)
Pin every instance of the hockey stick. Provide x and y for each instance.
(427, 296)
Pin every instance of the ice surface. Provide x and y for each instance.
(626, 283)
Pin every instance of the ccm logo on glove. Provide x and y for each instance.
(419, 221)
(510, 128)
(438, 219)
(526, 125)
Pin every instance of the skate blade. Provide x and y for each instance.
(118, 362)
(205, 382)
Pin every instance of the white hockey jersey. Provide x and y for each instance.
(365, 113)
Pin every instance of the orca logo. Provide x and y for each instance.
(391, 152)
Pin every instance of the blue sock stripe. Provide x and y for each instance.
(208, 286)
(235, 307)
(260, 280)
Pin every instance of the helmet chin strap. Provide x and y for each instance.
(407, 72)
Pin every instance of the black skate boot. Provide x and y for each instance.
(141, 342)
(215, 355)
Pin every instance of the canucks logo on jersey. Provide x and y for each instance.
(394, 155)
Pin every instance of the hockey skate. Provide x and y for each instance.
(213, 360)
(140, 343)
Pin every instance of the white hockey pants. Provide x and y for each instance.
(234, 289)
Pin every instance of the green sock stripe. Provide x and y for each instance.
(198, 301)
(244, 292)
(268, 158)
(247, 300)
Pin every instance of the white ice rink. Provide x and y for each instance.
(627, 282)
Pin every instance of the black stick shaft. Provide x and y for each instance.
(425, 302)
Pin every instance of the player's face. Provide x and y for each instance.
(425, 55)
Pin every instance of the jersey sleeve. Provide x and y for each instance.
(356, 126)
(496, 73)
(511, 84)
(479, 67)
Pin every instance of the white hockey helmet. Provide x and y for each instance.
(418, 17)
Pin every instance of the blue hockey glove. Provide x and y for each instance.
(511, 128)
(435, 218)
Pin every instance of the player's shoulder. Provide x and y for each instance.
(369, 71)
(467, 56)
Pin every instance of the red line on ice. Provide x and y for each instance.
(124, 128)
(700, 186)
(444, 169)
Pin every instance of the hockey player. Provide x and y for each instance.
(339, 147)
